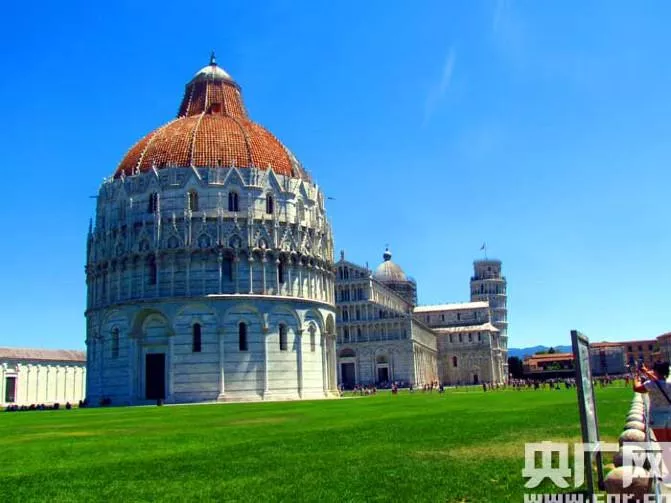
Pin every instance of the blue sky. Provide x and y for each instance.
(539, 127)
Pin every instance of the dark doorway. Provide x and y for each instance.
(383, 374)
(348, 375)
(155, 375)
(10, 390)
(476, 380)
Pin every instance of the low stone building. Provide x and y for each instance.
(41, 376)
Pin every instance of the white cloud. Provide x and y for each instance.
(438, 92)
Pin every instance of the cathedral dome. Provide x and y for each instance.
(388, 271)
(212, 129)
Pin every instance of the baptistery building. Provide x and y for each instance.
(210, 264)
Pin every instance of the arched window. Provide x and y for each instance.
(313, 342)
(242, 336)
(115, 343)
(193, 200)
(451, 338)
(283, 337)
(345, 334)
(345, 314)
(270, 206)
(280, 272)
(358, 334)
(153, 203)
(152, 270)
(300, 210)
(233, 201)
(196, 344)
(470, 337)
(460, 338)
(454, 361)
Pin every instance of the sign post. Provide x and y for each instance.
(589, 421)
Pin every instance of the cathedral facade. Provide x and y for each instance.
(384, 337)
(210, 264)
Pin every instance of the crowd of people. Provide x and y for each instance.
(42, 406)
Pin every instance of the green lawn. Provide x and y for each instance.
(461, 446)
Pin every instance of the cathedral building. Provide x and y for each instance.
(210, 264)
(384, 337)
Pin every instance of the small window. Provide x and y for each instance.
(153, 203)
(228, 269)
(313, 342)
(451, 338)
(193, 200)
(270, 204)
(283, 337)
(233, 201)
(152, 270)
(345, 334)
(479, 336)
(458, 316)
(454, 361)
(115, 343)
(242, 336)
(470, 337)
(460, 338)
(196, 345)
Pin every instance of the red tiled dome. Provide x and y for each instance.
(212, 129)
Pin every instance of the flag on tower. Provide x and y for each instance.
(484, 245)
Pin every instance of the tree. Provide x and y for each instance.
(515, 368)
(552, 351)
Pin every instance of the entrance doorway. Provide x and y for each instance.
(476, 380)
(348, 375)
(382, 374)
(10, 390)
(155, 376)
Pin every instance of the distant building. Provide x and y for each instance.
(383, 337)
(548, 365)
(643, 351)
(379, 341)
(41, 376)
(607, 358)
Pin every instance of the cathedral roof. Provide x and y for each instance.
(388, 271)
(212, 129)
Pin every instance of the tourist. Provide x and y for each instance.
(658, 388)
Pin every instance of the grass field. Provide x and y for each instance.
(461, 447)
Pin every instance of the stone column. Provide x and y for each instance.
(236, 259)
(157, 265)
(173, 259)
(277, 275)
(188, 274)
(132, 360)
(299, 361)
(250, 260)
(222, 365)
(263, 266)
(324, 365)
(170, 385)
(290, 284)
(220, 263)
